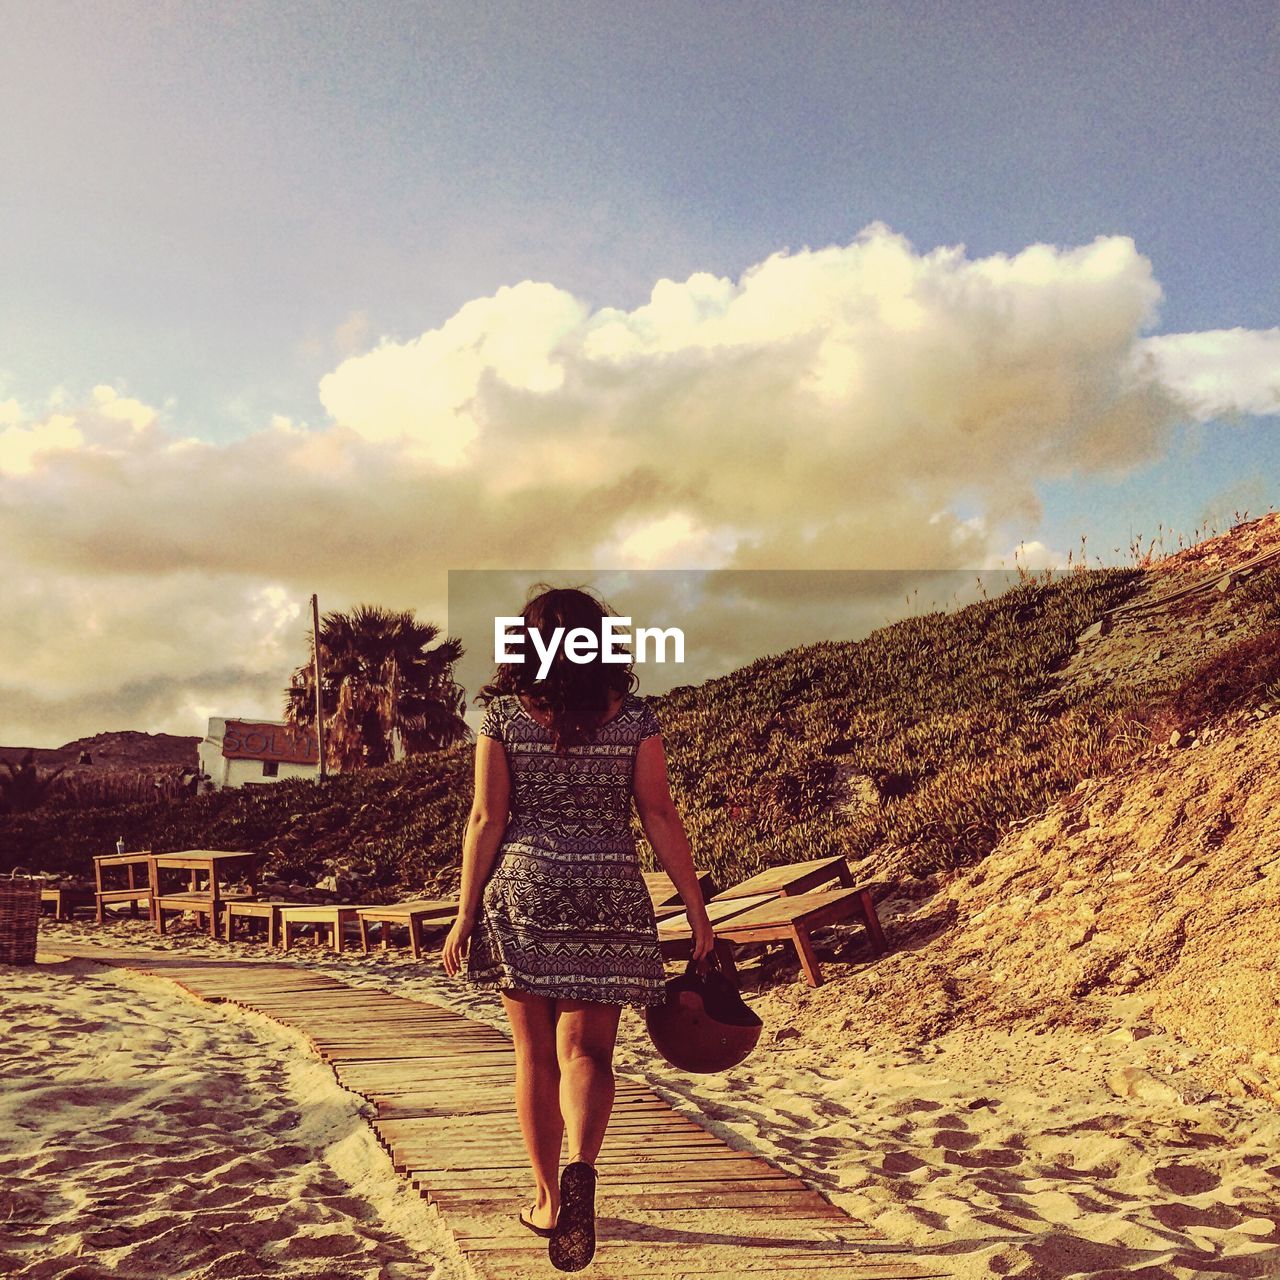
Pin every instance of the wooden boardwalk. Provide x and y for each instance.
(672, 1202)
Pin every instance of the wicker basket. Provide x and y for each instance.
(19, 919)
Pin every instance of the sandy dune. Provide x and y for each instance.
(992, 1154)
(144, 1133)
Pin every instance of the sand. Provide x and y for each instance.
(145, 1133)
(990, 1152)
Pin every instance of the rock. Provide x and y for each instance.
(328, 883)
(1140, 1085)
(1253, 1081)
(1179, 739)
(786, 1033)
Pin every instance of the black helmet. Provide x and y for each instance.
(704, 1025)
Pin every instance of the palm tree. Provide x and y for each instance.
(24, 789)
(381, 683)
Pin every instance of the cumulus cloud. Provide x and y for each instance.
(838, 408)
(1222, 373)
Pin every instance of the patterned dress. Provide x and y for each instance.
(565, 912)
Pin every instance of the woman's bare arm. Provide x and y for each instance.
(485, 825)
(661, 821)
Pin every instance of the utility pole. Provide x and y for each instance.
(315, 650)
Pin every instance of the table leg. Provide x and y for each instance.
(808, 957)
(871, 920)
(214, 900)
(153, 884)
(415, 936)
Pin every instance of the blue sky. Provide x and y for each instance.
(209, 207)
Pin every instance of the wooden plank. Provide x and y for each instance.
(791, 878)
(718, 911)
(443, 1089)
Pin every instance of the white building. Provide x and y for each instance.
(238, 751)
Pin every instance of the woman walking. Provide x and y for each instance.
(553, 908)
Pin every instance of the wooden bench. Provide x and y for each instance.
(199, 903)
(791, 878)
(64, 901)
(664, 896)
(675, 938)
(415, 916)
(794, 917)
(134, 893)
(251, 909)
(334, 918)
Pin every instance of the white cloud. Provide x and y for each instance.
(833, 408)
(1220, 373)
(23, 447)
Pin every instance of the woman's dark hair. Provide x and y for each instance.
(575, 694)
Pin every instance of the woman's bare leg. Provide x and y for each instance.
(533, 1028)
(585, 1035)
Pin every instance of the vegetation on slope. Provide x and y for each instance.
(931, 709)
(918, 741)
(920, 744)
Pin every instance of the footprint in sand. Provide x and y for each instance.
(326, 1244)
(953, 1139)
(1185, 1179)
(1178, 1217)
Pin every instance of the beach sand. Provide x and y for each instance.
(145, 1133)
(989, 1152)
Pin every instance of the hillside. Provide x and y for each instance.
(914, 751)
(116, 749)
(1146, 899)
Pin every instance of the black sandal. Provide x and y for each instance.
(574, 1243)
(533, 1226)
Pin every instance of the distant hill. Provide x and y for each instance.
(121, 748)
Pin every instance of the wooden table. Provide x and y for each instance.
(133, 893)
(414, 915)
(213, 863)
